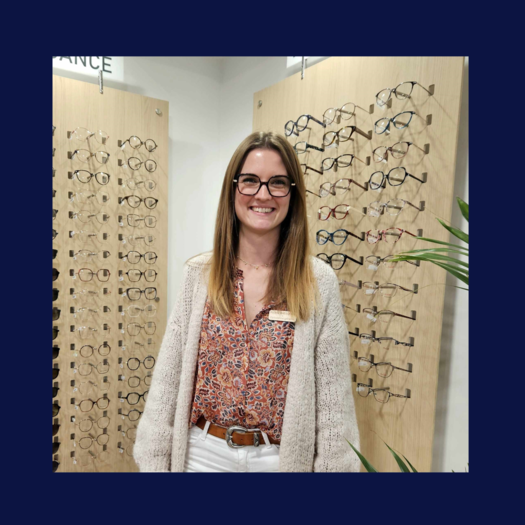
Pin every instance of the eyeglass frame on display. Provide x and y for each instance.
(404, 95)
(378, 287)
(121, 144)
(337, 140)
(73, 174)
(71, 156)
(386, 205)
(331, 236)
(372, 364)
(373, 339)
(331, 191)
(390, 148)
(377, 312)
(126, 293)
(332, 212)
(141, 200)
(383, 232)
(336, 162)
(295, 125)
(393, 121)
(372, 185)
(372, 390)
(329, 257)
(308, 146)
(382, 259)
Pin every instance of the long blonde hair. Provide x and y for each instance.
(292, 278)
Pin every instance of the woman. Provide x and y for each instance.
(257, 339)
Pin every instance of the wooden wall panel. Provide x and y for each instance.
(407, 425)
(120, 114)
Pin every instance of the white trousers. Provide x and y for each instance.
(207, 453)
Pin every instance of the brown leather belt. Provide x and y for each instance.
(237, 437)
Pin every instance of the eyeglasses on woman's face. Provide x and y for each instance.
(300, 125)
(391, 235)
(81, 134)
(85, 176)
(401, 91)
(392, 207)
(343, 135)
(337, 260)
(277, 186)
(343, 161)
(84, 155)
(395, 177)
(400, 121)
(136, 143)
(338, 237)
(381, 395)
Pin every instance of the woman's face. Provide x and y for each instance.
(262, 212)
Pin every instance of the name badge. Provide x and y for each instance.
(281, 315)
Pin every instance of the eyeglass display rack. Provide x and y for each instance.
(91, 220)
(405, 423)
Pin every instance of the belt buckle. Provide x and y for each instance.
(241, 430)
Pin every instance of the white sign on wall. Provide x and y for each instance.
(112, 67)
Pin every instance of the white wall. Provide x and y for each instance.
(211, 103)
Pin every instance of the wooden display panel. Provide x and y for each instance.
(120, 115)
(407, 425)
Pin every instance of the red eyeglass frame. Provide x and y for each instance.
(383, 232)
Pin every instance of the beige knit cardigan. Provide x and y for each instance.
(319, 411)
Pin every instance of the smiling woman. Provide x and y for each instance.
(253, 374)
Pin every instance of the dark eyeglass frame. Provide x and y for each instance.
(55, 332)
(331, 237)
(329, 261)
(55, 253)
(91, 175)
(393, 121)
(372, 364)
(295, 125)
(141, 256)
(142, 274)
(103, 345)
(374, 390)
(122, 143)
(373, 339)
(55, 214)
(127, 197)
(261, 184)
(399, 96)
(144, 396)
(130, 412)
(55, 233)
(139, 164)
(381, 233)
(389, 312)
(141, 362)
(305, 169)
(336, 161)
(55, 294)
(141, 292)
(56, 273)
(93, 403)
(391, 149)
(375, 185)
(307, 146)
(337, 139)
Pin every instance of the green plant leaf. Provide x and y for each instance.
(411, 466)
(463, 206)
(453, 271)
(399, 461)
(462, 236)
(441, 242)
(364, 461)
(432, 257)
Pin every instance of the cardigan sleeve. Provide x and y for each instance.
(152, 450)
(336, 418)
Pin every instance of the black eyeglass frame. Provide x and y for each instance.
(329, 257)
(261, 184)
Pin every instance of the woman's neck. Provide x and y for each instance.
(257, 248)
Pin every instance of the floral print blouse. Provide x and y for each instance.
(242, 372)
